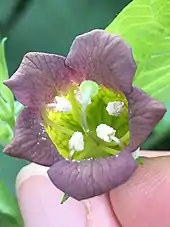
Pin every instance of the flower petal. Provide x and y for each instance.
(31, 142)
(39, 78)
(144, 114)
(85, 179)
(103, 58)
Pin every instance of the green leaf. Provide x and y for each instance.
(6, 133)
(3, 66)
(9, 211)
(4, 91)
(4, 106)
(145, 25)
(5, 112)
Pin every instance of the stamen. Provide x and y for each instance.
(115, 108)
(76, 143)
(107, 133)
(61, 104)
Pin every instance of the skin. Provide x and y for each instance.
(143, 201)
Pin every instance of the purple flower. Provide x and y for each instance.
(45, 134)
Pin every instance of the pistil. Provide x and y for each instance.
(88, 90)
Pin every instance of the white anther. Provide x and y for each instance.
(76, 143)
(61, 104)
(115, 108)
(136, 153)
(79, 97)
(107, 133)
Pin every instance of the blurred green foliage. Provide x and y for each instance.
(51, 26)
(9, 210)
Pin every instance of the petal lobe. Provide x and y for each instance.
(31, 141)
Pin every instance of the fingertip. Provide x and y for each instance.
(39, 201)
(142, 201)
(29, 171)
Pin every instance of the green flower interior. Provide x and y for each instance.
(61, 126)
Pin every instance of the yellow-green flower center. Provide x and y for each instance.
(95, 126)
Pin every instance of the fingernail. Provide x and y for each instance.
(40, 204)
